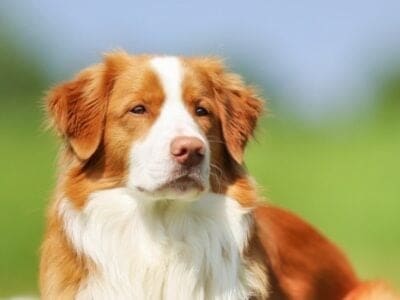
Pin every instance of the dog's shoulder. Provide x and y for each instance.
(303, 263)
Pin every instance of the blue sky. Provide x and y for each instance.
(318, 53)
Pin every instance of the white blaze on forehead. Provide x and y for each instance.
(174, 114)
(170, 72)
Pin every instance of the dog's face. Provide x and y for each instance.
(165, 127)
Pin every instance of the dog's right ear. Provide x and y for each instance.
(77, 109)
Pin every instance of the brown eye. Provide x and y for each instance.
(138, 109)
(201, 111)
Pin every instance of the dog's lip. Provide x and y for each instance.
(183, 183)
(180, 183)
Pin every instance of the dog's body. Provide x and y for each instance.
(153, 202)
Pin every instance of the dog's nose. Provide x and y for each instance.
(187, 151)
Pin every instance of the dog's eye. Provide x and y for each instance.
(138, 109)
(201, 111)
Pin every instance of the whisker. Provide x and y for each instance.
(217, 178)
(216, 142)
(219, 175)
(215, 139)
(216, 167)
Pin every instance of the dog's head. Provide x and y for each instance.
(165, 127)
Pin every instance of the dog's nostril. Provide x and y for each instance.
(188, 151)
(201, 151)
(179, 151)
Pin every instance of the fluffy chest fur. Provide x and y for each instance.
(166, 250)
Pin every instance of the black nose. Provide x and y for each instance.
(187, 151)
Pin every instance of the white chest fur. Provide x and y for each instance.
(161, 251)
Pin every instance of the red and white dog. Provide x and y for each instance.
(153, 200)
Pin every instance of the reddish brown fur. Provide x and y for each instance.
(61, 269)
(305, 264)
(236, 109)
(238, 106)
(372, 291)
(91, 113)
(78, 108)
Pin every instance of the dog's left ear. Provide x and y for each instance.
(240, 109)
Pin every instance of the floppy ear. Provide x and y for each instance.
(77, 110)
(239, 109)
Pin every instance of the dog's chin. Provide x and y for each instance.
(186, 188)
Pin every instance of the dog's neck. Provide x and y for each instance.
(164, 250)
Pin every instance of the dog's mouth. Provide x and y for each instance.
(184, 183)
(179, 183)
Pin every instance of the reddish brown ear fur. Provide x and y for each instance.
(78, 107)
(240, 109)
(240, 112)
(78, 110)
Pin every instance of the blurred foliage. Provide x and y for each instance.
(344, 178)
(388, 93)
(20, 73)
(26, 165)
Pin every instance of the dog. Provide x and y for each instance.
(153, 200)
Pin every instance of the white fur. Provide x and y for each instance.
(164, 250)
(151, 163)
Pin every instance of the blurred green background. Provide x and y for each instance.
(338, 168)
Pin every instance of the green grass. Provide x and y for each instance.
(27, 168)
(346, 181)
